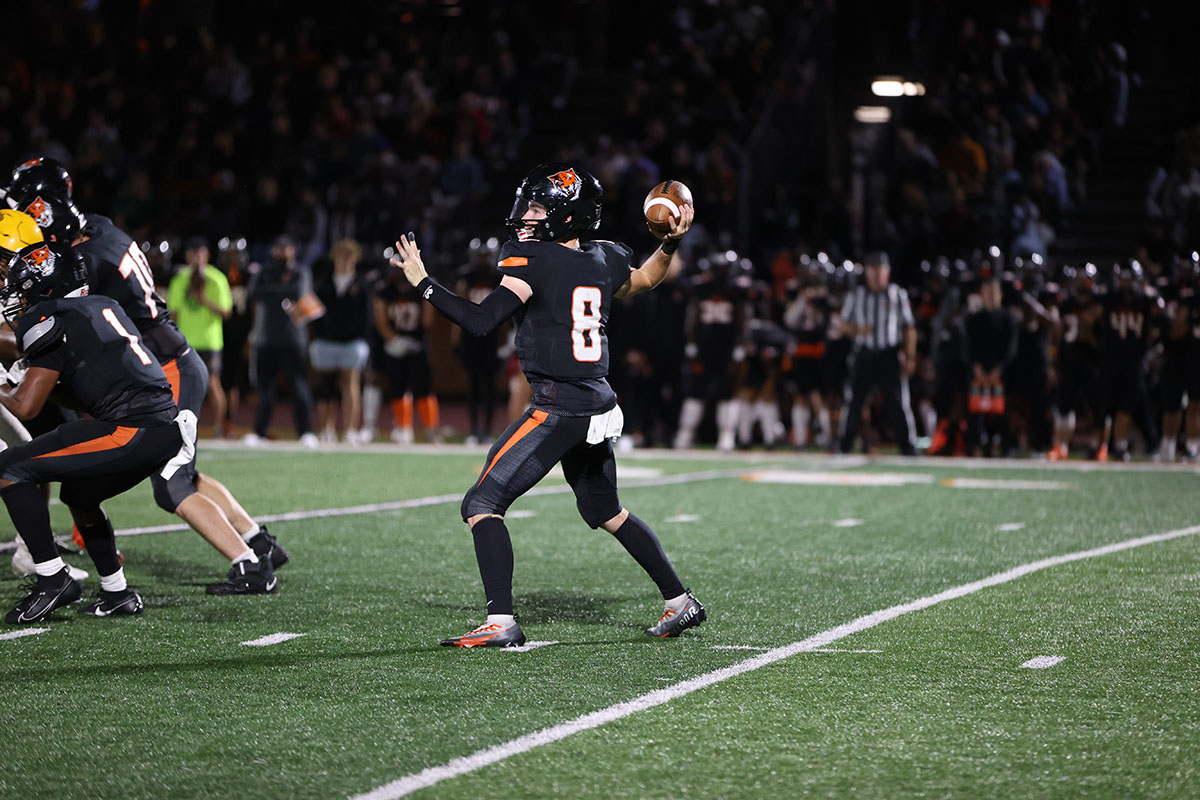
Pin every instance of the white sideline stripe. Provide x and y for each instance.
(737, 647)
(838, 478)
(835, 650)
(23, 632)
(272, 638)
(986, 483)
(847, 523)
(1010, 526)
(439, 499)
(521, 513)
(683, 518)
(1043, 662)
(482, 758)
(525, 648)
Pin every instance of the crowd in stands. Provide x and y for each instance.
(317, 143)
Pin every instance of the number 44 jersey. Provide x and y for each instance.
(102, 362)
(561, 338)
(117, 268)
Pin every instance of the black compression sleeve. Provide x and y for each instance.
(476, 319)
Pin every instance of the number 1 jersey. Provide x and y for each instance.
(561, 339)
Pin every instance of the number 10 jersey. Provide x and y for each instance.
(561, 338)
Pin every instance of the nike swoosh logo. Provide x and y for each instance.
(272, 584)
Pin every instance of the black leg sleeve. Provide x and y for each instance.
(636, 537)
(97, 534)
(493, 551)
(31, 518)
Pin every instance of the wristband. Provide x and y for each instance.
(669, 246)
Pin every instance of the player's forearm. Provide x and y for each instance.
(23, 404)
(910, 342)
(477, 319)
(652, 272)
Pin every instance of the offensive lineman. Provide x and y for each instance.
(117, 268)
(560, 291)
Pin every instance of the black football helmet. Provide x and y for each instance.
(42, 188)
(42, 271)
(570, 195)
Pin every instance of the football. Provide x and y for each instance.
(663, 202)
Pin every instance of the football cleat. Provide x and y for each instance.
(265, 545)
(673, 623)
(48, 593)
(486, 635)
(126, 602)
(247, 577)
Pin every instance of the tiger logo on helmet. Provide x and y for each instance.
(41, 212)
(567, 181)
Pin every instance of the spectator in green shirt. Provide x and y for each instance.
(200, 300)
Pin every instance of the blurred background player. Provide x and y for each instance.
(1129, 314)
(1078, 363)
(806, 319)
(1026, 379)
(199, 301)
(479, 354)
(991, 342)
(339, 349)
(880, 319)
(402, 322)
(716, 349)
(757, 399)
(562, 289)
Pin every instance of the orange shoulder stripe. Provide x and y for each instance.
(515, 261)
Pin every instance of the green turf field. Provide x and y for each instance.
(932, 703)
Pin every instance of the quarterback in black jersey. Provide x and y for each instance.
(117, 268)
(560, 290)
(89, 349)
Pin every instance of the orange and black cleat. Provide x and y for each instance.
(493, 635)
(673, 623)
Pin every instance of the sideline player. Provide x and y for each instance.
(561, 291)
(117, 268)
(87, 345)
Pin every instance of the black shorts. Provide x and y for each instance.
(710, 378)
(807, 375)
(93, 459)
(1171, 381)
(212, 360)
(528, 449)
(408, 374)
(1123, 386)
(188, 377)
(1078, 386)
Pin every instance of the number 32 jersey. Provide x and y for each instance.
(117, 268)
(561, 340)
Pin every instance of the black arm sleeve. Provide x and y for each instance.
(476, 319)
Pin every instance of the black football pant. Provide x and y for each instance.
(188, 377)
(94, 460)
(880, 369)
(269, 360)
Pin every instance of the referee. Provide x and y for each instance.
(880, 320)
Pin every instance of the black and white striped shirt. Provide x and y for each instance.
(887, 314)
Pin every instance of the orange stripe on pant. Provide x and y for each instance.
(535, 419)
(171, 370)
(118, 438)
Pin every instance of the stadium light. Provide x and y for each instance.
(887, 86)
(872, 115)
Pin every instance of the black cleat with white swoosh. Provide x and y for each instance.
(126, 602)
(246, 577)
(48, 593)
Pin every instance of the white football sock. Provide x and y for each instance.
(768, 420)
(51, 567)
(114, 582)
(824, 428)
(257, 529)
(248, 555)
(690, 415)
(800, 417)
(503, 620)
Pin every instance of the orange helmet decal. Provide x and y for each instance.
(566, 180)
(39, 209)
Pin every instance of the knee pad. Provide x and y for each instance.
(168, 494)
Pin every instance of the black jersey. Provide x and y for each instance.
(561, 339)
(102, 362)
(807, 320)
(402, 307)
(1080, 337)
(719, 310)
(1127, 321)
(117, 268)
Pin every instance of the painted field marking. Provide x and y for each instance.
(837, 478)
(985, 483)
(482, 758)
(1042, 662)
(441, 499)
(683, 518)
(847, 523)
(1010, 526)
(23, 632)
(525, 648)
(737, 647)
(521, 513)
(272, 638)
(835, 650)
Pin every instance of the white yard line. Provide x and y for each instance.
(1010, 526)
(847, 523)
(440, 499)
(1043, 662)
(272, 638)
(22, 632)
(482, 758)
(525, 648)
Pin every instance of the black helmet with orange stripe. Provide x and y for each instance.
(42, 188)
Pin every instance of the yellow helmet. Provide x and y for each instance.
(17, 230)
